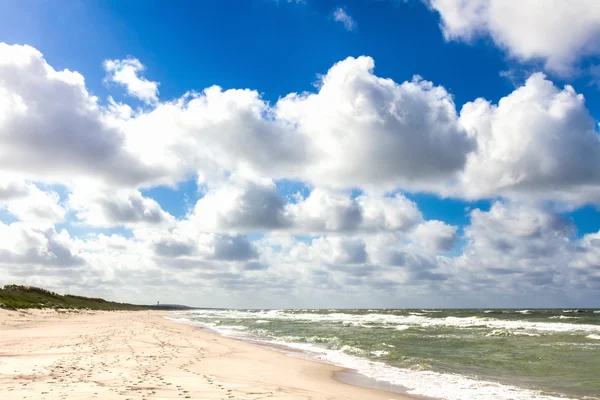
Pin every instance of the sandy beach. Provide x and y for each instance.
(52, 355)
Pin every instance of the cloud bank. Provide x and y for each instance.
(76, 169)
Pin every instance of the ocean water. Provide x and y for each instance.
(442, 354)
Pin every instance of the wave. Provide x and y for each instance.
(380, 353)
(595, 337)
(417, 381)
(400, 321)
(505, 332)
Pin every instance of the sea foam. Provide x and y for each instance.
(401, 321)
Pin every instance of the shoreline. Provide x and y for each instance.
(49, 355)
(343, 374)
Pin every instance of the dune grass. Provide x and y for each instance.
(19, 297)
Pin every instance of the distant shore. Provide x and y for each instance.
(141, 355)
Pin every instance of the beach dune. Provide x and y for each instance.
(53, 355)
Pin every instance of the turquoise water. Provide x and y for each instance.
(445, 354)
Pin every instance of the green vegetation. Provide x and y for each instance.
(16, 297)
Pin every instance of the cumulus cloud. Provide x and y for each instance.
(404, 135)
(539, 140)
(233, 248)
(356, 131)
(212, 134)
(247, 206)
(126, 73)
(25, 244)
(517, 247)
(328, 251)
(557, 32)
(435, 235)
(26, 202)
(395, 134)
(332, 211)
(11, 189)
(38, 206)
(52, 129)
(100, 207)
(340, 15)
(585, 265)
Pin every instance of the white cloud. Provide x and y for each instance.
(331, 211)
(103, 207)
(435, 235)
(404, 135)
(26, 202)
(340, 15)
(37, 205)
(52, 129)
(203, 247)
(24, 245)
(539, 141)
(357, 131)
(557, 32)
(11, 189)
(585, 265)
(519, 250)
(395, 134)
(240, 206)
(125, 72)
(335, 250)
(245, 206)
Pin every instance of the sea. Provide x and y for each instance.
(436, 353)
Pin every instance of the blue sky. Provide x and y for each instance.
(276, 48)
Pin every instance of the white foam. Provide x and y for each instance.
(380, 353)
(391, 320)
(416, 382)
(352, 350)
(525, 333)
(595, 337)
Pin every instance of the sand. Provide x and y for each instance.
(142, 355)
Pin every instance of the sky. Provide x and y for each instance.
(303, 153)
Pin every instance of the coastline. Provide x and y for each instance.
(52, 355)
(341, 374)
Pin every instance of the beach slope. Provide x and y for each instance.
(142, 355)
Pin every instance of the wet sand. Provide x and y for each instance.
(53, 355)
